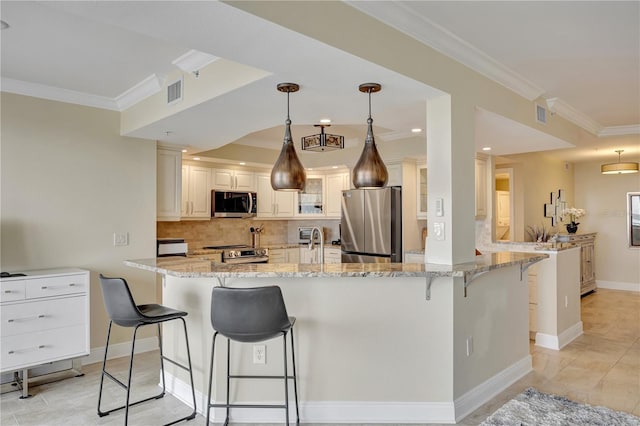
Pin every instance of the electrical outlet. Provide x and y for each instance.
(120, 239)
(469, 345)
(259, 354)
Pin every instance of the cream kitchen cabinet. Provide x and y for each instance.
(336, 183)
(481, 186)
(45, 318)
(284, 255)
(233, 180)
(332, 255)
(168, 184)
(273, 203)
(310, 256)
(196, 192)
(421, 192)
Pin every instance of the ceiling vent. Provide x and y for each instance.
(541, 114)
(174, 92)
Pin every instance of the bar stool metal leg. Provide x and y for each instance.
(286, 380)
(295, 377)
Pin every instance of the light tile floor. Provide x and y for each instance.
(601, 367)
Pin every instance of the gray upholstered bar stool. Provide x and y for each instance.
(124, 312)
(251, 315)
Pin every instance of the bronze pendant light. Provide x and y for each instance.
(288, 173)
(370, 171)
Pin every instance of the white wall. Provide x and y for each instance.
(69, 181)
(604, 199)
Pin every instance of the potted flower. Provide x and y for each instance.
(572, 215)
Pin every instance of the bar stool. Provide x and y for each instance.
(251, 315)
(124, 312)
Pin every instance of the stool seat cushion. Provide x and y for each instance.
(157, 313)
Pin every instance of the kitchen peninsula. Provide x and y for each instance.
(371, 344)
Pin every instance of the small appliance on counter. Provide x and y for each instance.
(304, 235)
(171, 247)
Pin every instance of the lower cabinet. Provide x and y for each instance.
(533, 301)
(587, 259)
(284, 255)
(45, 318)
(413, 258)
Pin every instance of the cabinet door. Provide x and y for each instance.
(169, 184)
(283, 203)
(184, 206)
(588, 271)
(244, 181)
(293, 255)
(481, 187)
(223, 179)
(335, 185)
(311, 200)
(265, 196)
(199, 192)
(277, 256)
(421, 183)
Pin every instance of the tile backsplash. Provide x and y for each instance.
(224, 231)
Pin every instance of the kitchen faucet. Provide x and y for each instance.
(321, 235)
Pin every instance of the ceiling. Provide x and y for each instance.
(583, 55)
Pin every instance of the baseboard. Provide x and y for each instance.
(491, 387)
(120, 349)
(367, 411)
(618, 285)
(550, 341)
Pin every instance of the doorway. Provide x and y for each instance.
(503, 218)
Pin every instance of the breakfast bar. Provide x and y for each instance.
(403, 343)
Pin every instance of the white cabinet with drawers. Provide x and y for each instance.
(45, 318)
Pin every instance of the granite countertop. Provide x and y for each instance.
(414, 251)
(198, 268)
(520, 246)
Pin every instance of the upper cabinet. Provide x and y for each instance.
(233, 180)
(273, 203)
(310, 202)
(196, 193)
(481, 186)
(336, 183)
(168, 184)
(421, 202)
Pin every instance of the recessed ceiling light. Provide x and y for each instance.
(416, 130)
(196, 158)
(334, 167)
(3, 25)
(242, 163)
(486, 148)
(184, 150)
(325, 121)
(309, 168)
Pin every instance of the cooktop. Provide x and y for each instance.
(231, 246)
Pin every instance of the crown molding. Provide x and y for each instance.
(194, 60)
(633, 129)
(147, 87)
(401, 17)
(56, 94)
(563, 109)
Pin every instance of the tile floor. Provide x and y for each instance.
(601, 367)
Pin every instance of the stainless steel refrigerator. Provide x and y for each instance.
(371, 226)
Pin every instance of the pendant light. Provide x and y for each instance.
(370, 171)
(288, 173)
(619, 167)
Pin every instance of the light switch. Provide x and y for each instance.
(438, 230)
(439, 207)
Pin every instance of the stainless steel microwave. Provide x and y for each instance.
(233, 204)
(304, 235)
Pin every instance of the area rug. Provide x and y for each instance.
(533, 408)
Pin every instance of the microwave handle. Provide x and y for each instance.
(250, 202)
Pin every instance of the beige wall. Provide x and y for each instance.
(604, 199)
(535, 176)
(69, 181)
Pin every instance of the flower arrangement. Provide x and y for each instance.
(573, 214)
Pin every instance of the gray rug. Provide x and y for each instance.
(536, 408)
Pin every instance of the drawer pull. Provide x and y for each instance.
(44, 287)
(26, 318)
(8, 291)
(26, 350)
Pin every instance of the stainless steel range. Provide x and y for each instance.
(242, 254)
